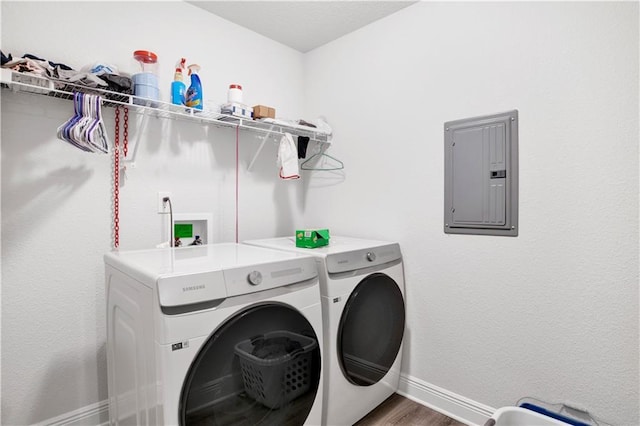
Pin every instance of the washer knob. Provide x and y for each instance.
(254, 278)
(371, 256)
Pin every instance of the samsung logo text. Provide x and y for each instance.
(193, 287)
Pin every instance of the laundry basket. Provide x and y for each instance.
(518, 416)
(276, 367)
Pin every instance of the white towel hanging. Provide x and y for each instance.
(288, 158)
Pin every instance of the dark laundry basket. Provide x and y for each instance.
(283, 374)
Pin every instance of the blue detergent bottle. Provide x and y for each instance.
(178, 87)
(194, 92)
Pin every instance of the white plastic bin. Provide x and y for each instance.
(516, 416)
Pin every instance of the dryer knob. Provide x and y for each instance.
(254, 278)
(371, 256)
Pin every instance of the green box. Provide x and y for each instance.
(312, 238)
(183, 230)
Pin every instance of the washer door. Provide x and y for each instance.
(370, 330)
(262, 366)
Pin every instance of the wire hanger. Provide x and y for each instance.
(322, 164)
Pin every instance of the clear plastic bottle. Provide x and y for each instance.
(145, 83)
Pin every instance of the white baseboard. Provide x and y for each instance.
(448, 403)
(92, 415)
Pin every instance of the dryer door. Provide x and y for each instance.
(371, 329)
(262, 366)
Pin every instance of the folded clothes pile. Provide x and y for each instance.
(100, 75)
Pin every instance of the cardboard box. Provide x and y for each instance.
(261, 111)
(312, 238)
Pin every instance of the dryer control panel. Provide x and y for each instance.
(360, 259)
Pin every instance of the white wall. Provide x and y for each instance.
(56, 207)
(552, 313)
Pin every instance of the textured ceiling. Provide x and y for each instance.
(302, 25)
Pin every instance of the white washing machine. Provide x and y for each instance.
(362, 289)
(222, 334)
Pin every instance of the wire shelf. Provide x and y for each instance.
(36, 85)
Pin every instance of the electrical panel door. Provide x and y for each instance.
(481, 175)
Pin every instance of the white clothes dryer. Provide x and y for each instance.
(362, 289)
(222, 334)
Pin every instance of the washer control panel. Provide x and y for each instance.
(262, 276)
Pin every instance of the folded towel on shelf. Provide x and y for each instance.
(288, 158)
(320, 126)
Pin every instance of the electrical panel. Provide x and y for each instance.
(481, 175)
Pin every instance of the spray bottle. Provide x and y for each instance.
(177, 85)
(194, 93)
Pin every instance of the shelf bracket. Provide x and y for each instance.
(259, 150)
(141, 127)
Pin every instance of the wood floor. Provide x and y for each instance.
(398, 410)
